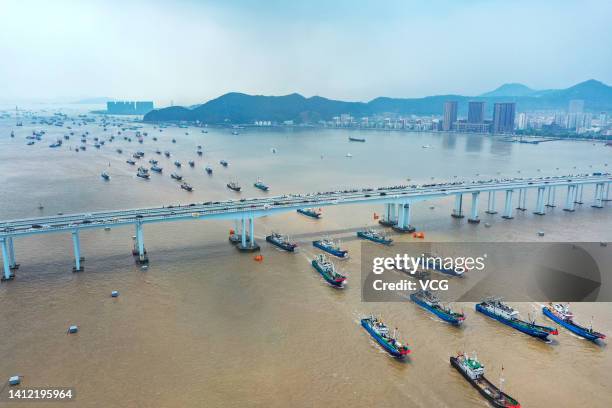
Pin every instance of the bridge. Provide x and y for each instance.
(397, 200)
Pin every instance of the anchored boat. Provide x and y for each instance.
(281, 241)
(208, 170)
(309, 212)
(261, 185)
(191, 163)
(156, 168)
(105, 176)
(560, 313)
(356, 139)
(430, 302)
(328, 271)
(176, 176)
(330, 247)
(232, 185)
(473, 371)
(224, 163)
(131, 162)
(496, 309)
(143, 173)
(374, 236)
(380, 332)
(177, 164)
(186, 186)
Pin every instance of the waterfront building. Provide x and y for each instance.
(476, 111)
(503, 117)
(450, 115)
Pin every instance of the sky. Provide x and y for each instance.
(187, 52)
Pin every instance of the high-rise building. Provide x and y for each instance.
(476, 112)
(503, 117)
(522, 121)
(450, 115)
(576, 106)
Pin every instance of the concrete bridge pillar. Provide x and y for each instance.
(457, 211)
(550, 201)
(142, 253)
(508, 206)
(77, 252)
(251, 245)
(540, 202)
(243, 238)
(599, 194)
(474, 213)
(522, 200)
(606, 196)
(390, 217)
(403, 219)
(5, 260)
(570, 198)
(491, 203)
(579, 192)
(12, 261)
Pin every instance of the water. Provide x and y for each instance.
(205, 325)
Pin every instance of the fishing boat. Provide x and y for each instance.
(281, 241)
(156, 168)
(130, 161)
(560, 313)
(173, 140)
(430, 302)
(119, 151)
(328, 271)
(105, 176)
(177, 163)
(261, 185)
(153, 161)
(176, 176)
(496, 309)
(58, 143)
(374, 236)
(232, 185)
(199, 152)
(436, 263)
(330, 247)
(380, 332)
(356, 139)
(473, 371)
(31, 142)
(167, 153)
(208, 170)
(191, 163)
(158, 151)
(186, 186)
(143, 173)
(309, 212)
(224, 163)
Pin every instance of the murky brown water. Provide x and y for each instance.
(207, 326)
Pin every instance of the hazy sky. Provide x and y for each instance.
(192, 51)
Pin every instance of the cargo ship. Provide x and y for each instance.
(232, 185)
(473, 371)
(309, 212)
(496, 309)
(328, 271)
(560, 313)
(380, 332)
(356, 139)
(330, 247)
(430, 302)
(281, 241)
(261, 185)
(374, 236)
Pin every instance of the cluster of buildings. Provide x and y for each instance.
(503, 118)
(129, 107)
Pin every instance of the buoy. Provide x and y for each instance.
(114, 293)
(258, 258)
(376, 216)
(73, 329)
(15, 380)
(487, 224)
(231, 231)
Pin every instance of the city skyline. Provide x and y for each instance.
(190, 52)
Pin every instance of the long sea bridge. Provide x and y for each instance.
(397, 200)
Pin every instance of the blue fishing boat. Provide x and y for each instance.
(374, 236)
(380, 332)
(208, 170)
(328, 271)
(560, 313)
(105, 176)
(430, 302)
(330, 247)
(496, 309)
(309, 212)
(281, 241)
(156, 168)
(261, 185)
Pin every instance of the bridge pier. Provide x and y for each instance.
(570, 198)
(550, 201)
(8, 275)
(491, 203)
(522, 200)
(606, 196)
(12, 260)
(77, 252)
(141, 252)
(540, 202)
(251, 245)
(457, 211)
(598, 200)
(474, 213)
(403, 219)
(390, 218)
(579, 192)
(508, 206)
